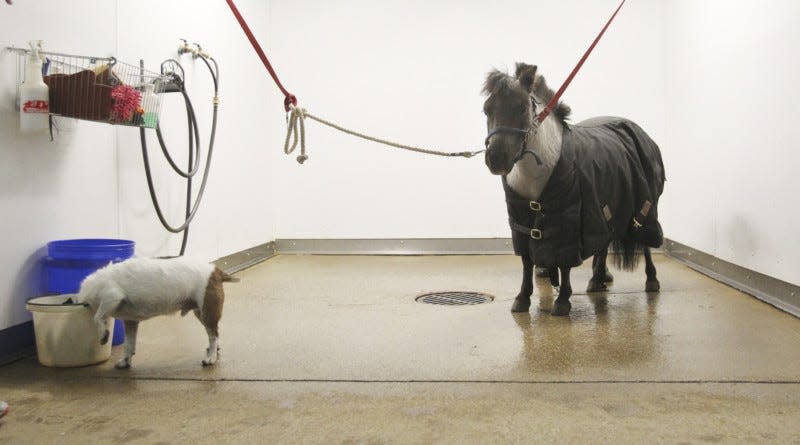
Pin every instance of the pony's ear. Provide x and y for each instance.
(526, 74)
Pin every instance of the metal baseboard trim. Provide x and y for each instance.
(397, 246)
(784, 296)
(246, 258)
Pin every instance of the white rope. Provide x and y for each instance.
(296, 134)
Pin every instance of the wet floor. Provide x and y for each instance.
(333, 349)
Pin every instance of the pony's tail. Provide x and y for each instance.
(626, 253)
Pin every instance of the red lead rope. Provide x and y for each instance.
(290, 99)
(557, 96)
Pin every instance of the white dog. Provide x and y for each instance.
(141, 288)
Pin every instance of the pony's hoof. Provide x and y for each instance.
(209, 362)
(561, 309)
(652, 286)
(521, 305)
(596, 286)
(123, 364)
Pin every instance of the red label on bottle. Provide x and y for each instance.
(36, 106)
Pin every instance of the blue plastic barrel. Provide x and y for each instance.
(68, 262)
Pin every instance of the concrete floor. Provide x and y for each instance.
(332, 349)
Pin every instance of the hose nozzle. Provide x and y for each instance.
(199, 52)
(185, 48)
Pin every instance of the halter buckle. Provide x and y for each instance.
(536, 234)
(536, 206)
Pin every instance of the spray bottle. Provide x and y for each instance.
(150, 103)
(34, 95)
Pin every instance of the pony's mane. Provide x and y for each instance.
(497, 81)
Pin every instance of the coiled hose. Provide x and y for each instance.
(194, 154)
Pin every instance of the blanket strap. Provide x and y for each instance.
(534, 233)
(533, 205)
(643, 212)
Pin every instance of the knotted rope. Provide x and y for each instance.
(296, 134)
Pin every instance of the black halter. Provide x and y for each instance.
(526, 134)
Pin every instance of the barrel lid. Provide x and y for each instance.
(91, 248)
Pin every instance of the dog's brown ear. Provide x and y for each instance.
(526, 74)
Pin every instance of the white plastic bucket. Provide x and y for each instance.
(65, 332)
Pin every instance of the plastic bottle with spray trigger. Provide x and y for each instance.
(150, 102)
(34, 95)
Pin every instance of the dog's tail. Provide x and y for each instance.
(229, 278)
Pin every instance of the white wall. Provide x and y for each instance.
(412, 71)
(731, 149)
(90, 181)
(50, 190)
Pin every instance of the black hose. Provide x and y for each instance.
(193, 164)
(202, 184)
(192, 123)
(192, 169)
(189, 114)
(190, 109)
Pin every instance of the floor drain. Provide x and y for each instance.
(455, 298)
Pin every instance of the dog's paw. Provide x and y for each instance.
(125, 363)
(104, 340)
(211, 359)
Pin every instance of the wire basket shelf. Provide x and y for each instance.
(100, 89)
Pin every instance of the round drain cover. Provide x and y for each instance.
(455, 298)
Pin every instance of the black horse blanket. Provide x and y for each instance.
(604, 187)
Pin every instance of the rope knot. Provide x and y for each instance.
(296, 132)
(289, 102)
